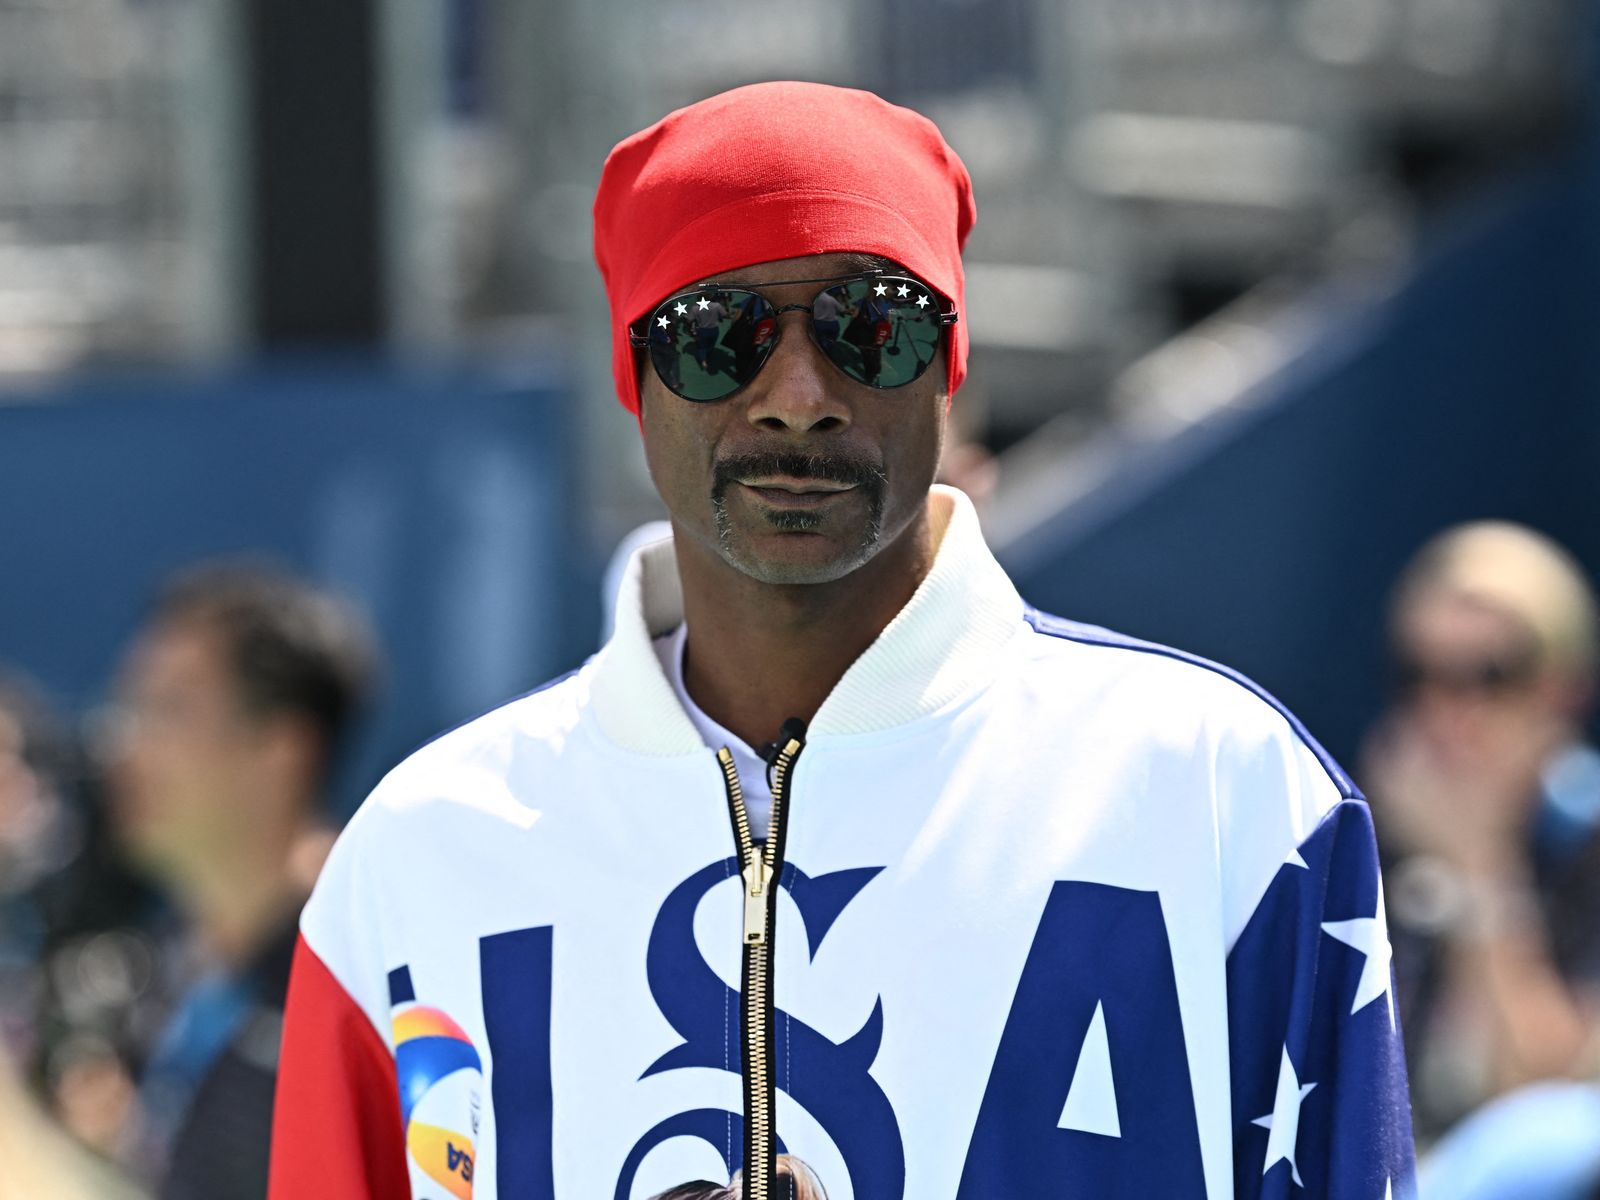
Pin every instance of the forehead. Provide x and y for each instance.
(805, 267)
(1446, 622)
(174, 650)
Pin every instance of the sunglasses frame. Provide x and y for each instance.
(942, 318)
(1488, 675)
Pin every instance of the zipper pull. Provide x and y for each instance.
(757, 878)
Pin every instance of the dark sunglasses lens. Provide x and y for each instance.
(707, 345)
(1484, 677)
(883, 332)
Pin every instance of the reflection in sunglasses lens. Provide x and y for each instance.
(891, 330)
(882, 331)
(706, 346)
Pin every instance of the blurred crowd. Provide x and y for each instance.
(1486, 792)
(151, 876)
(154, 857)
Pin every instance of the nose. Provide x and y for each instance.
(797, 391)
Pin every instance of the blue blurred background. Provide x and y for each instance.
(1261, 295)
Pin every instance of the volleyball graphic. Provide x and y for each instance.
(441, 1079)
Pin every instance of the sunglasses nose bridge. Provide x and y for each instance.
(819, 331)
(808, 322)
(795, 389)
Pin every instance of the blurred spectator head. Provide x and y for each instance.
(233, 705)
(1487, 801)
(37, 767)
(796, 1181)
(1492, 616)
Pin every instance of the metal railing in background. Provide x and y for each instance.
(120, 184)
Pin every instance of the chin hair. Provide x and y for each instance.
(797, 522)
(794, 522)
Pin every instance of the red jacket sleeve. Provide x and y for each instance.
(336, 1125)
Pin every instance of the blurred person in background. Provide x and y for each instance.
(795, 1181)
(40, 834)
(233, 704)
(1488, 805)
(50, 894)
(73, 962)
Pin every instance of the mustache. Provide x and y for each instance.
(849, 469)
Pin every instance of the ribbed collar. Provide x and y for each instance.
(939, 646)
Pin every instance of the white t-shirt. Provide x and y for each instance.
(752, 768)
(827, 307)
(710, 316)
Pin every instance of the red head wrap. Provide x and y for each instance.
(770, 171)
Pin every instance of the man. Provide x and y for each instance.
(233, 704)
(836, 849)
(709, 320)
(826, 310)
(867, 331)
(1488, 800)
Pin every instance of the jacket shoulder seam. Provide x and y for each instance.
(546, 686)
(1050, 625)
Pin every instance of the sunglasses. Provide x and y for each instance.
(879, 329)
(1487, 676)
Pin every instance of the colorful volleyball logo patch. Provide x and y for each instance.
(441, 1081)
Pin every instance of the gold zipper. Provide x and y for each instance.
(759, 867)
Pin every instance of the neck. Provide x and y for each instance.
(242, 895)
(801, 637)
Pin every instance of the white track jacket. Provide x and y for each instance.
(1046, 912)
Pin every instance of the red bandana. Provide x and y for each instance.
(770, 171)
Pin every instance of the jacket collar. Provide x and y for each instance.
(942, 644)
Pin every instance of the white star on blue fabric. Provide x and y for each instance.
(1283, 1122)
(881, 290)
(903, 290)
(703, 304)
(681, 308)
(1369, 935)
(922, 302)
(663, 322)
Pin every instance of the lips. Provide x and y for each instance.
(796, 493)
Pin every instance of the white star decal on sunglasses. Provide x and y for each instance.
(881, 290)
(663, 322)
(903, 290)
(703, 304)
(922, 302)
(680, 308)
